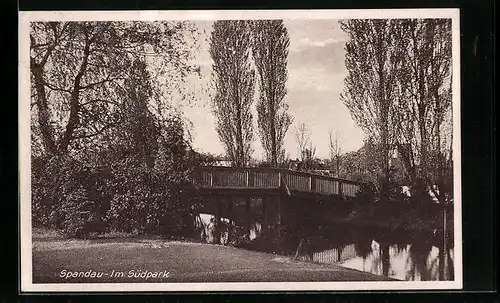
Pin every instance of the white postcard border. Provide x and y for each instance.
(25, 17)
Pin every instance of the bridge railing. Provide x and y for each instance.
(327, 186)
(297, 181)
(219, 177)
(264, 179)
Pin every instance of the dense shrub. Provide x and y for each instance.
(125, 195)
(366, 194)
(68, 195)
(149, 199)
(53, 179)
(81, 215)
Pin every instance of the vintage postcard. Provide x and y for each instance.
(240, 150)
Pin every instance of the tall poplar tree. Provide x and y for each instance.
(270, 53)
(398, 89)
(234, 81)
(370, 83)
(422, 111)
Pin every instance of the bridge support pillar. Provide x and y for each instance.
(265, 205)
(278, 219)
(218, 221)
(247, 216)
(229, 205)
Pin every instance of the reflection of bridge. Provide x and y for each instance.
(273, 198)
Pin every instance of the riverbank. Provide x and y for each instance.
(414, 218)
(133, 260)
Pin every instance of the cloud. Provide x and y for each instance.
(306, 34)
(306, 43)
(318, 68)
(330, 56)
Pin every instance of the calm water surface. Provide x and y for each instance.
(418, 261)
(405, 263)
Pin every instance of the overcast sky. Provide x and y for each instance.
(316, 72)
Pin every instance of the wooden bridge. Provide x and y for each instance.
(259, 180)
(266, 199)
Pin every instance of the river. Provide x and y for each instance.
(410, 256)
(406, 262)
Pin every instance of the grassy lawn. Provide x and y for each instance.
(170, 261)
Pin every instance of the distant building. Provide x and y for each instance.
(216, 160)
(324, 172)
(296, 164)
(316, 165)
(222, 163)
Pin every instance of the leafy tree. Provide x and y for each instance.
(140, 130)
(363, 165)
(155, 199)
(48, 191)
(351, 167)
(370, 84)
(234, 82)
(117, 153)
(398, 90)
(422, 112)
(270, 53)
(310, 157)
(79, 69)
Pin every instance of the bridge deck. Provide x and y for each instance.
(227, 178)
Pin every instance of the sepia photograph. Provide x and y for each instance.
(240, 150)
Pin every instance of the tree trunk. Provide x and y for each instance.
(46, 129)
(274, 152)
(74, 102)
(384, 251)
(229, 203)
(442, 250)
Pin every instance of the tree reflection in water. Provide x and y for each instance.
(403, 256)
(418, 261)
